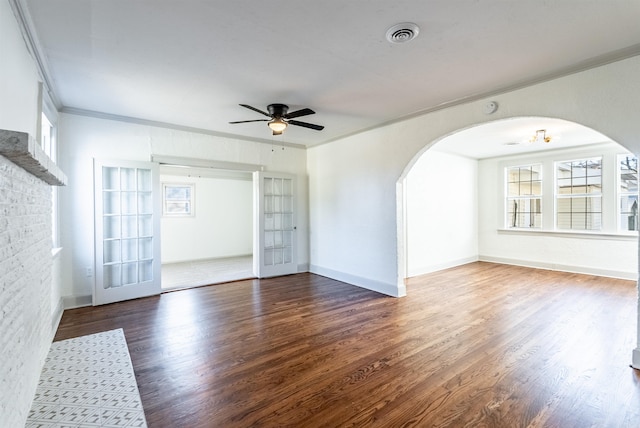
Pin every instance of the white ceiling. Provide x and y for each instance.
(190, 63)
(513, 137)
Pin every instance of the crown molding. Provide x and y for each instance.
(32, 42)
(159, 124)
(591, 63)
(33, 45)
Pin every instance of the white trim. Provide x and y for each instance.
(635, 359)
(392, 290)
(586, 270)
(56, 317)
(72, 302)
(205, 163)
(423, 270)
(200, 172)
(167, 125)
(572, 234)
(20, 10)
(619, 194)
(611, 57)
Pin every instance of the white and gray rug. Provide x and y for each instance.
(88, 381)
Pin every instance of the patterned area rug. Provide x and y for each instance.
(88, 381)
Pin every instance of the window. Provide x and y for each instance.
(628, 192)
(178, 199)
(579, 194)
(524, 196)
(48, 137)
(48, 144)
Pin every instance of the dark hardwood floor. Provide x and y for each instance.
(482, 345)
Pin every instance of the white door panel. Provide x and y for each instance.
(127, 230)
(275, 237)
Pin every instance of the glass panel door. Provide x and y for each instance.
(127, 230)
(274, 252)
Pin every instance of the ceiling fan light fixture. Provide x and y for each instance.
(277, 125)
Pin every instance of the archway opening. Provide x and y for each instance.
(457, 203)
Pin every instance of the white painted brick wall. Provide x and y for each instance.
(25, 288)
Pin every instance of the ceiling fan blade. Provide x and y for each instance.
(306, 125)
(298, 113)
(255, 109)
(246, 121)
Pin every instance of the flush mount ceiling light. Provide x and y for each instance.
(402, 33)
(277, 125)
(540, 137)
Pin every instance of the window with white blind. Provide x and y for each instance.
(524, 196)
(579, 194)
(177, 199)
(628, 192)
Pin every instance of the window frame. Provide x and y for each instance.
(190, 201)
(47, 120)
(621, 194)
(608, 151)
(576, 196)
(528, 197)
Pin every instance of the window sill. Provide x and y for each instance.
(632, 236)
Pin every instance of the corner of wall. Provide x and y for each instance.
(393, 290)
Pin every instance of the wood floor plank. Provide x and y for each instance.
(478, 345)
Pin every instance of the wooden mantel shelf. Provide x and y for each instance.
(22, 149)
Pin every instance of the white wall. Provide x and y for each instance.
(28, 275)
(352, 181)
(441, 209)
(83, 138)
(609, 253)
(221, 227)
(18, 77)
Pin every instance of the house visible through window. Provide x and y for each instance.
(628, 192)
(579, 194)
(178, 199)
(524, 196)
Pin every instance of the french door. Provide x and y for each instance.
(275, 228)
(127, 230)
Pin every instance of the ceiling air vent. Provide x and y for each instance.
(401, 33)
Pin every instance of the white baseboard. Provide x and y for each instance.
(441, 266)
(563, 268)
(72, 302)
(56, 317)
(393, 290)
(304, 267)
(204, 259)
(635, 359)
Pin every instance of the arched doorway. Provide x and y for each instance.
(464, 172)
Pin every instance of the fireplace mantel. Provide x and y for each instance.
(23, 150)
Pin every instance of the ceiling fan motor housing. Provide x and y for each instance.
(277, 110)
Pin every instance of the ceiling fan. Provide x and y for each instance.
(281, 118)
